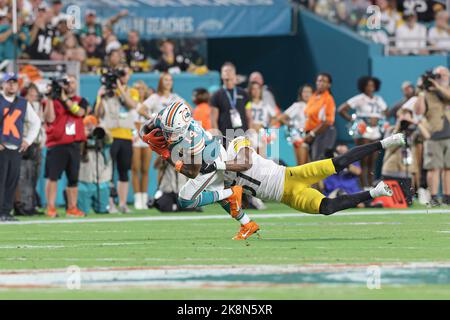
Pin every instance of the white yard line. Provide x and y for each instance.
(223, 217)
(103, 244)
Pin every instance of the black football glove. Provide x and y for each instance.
(208, 167)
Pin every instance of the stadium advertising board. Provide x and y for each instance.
(194, 18)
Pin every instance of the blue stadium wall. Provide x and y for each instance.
(290, 61)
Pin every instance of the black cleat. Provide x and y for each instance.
(434, 202)
(19, 210)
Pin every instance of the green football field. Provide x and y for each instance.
(357, 254)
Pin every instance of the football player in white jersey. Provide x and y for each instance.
(292, 185)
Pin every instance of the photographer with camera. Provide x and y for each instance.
(95, 168)
(63, 112)
(433, 103)
(113, 107)
(401, 163)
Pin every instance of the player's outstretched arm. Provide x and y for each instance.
(243, 161)
(189, 170)
(237, 167)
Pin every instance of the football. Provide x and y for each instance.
(148, 127)
(157, 131)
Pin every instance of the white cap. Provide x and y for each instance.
(114, 45)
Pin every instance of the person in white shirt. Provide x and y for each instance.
(369, 110)
(439, 35)
(15, 111)
(267, 95)
(389, 16)
(161, 99)
(262, 115)
(294, 116)
(26, 197)
(411, 37)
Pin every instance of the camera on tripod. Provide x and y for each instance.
(426, 83)
(109, 80)
(56, 86)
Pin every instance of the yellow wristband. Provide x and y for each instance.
(74, 108)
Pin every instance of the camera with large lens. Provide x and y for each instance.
(426, 83)
(109, 80)
(96, 140)
(407, 127)
(56, 87)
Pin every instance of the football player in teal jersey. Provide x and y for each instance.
(181, 141)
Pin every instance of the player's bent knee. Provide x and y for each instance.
(185, 194)
(327, 207)
(340, 162)
(186, 191)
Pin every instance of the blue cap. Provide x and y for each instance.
(10, 76)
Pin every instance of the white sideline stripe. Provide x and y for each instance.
(222, 217)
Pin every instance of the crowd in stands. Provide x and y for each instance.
(407, 27)
(45, 32)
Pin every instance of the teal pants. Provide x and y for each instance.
(87, 197)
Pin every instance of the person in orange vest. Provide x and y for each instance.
(15, 111)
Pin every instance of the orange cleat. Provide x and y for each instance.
(75, 212)
(246, 231)
(238, 235)
(51, 212)
(235, 201)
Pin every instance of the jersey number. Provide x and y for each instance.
(250, 180)
(258, 115)
(44, 44)
(375, 108)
